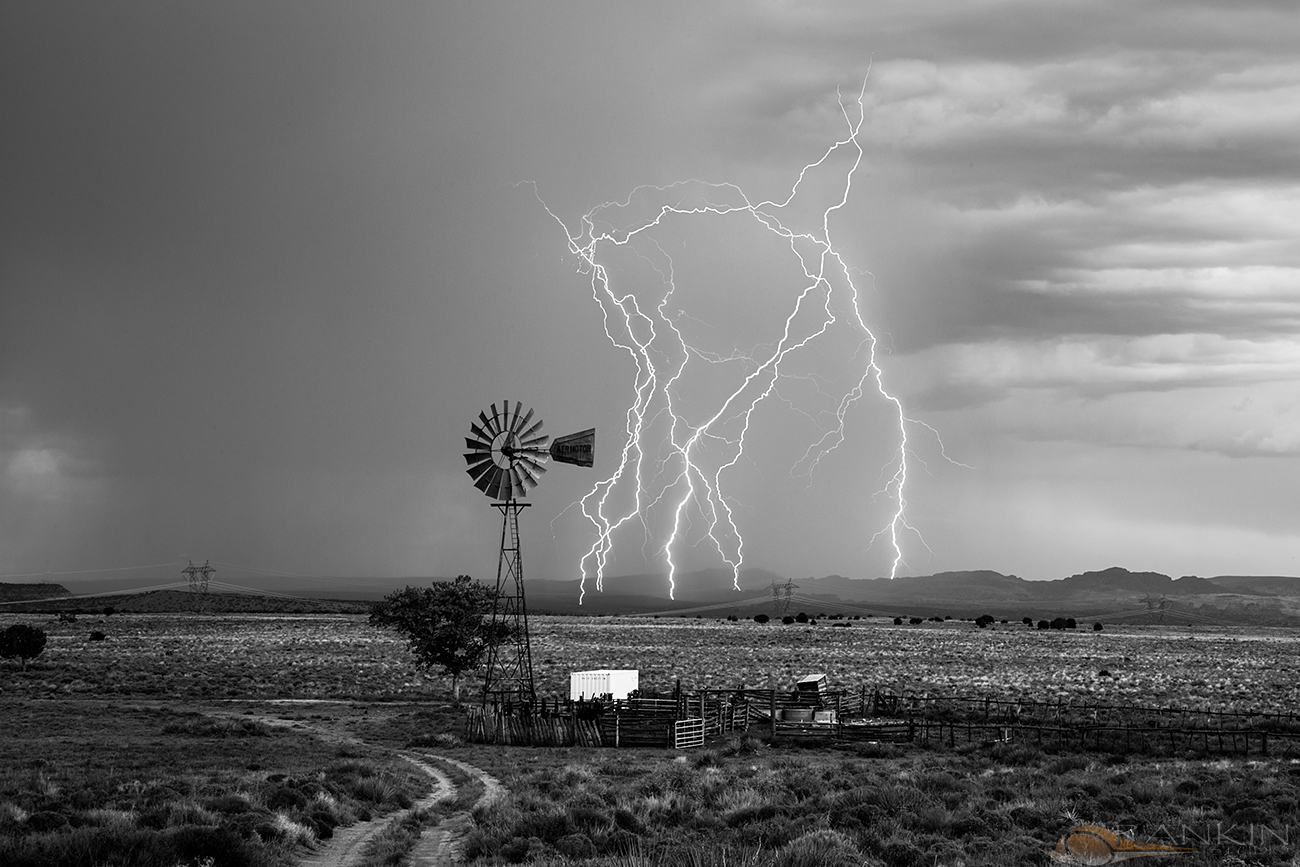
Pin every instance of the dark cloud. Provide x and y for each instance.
(261, 263)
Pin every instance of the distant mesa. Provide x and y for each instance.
(1096, 595)
(21, 592)
(1269, 600)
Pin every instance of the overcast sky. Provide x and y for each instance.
(262, 263)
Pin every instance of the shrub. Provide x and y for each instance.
(575, 846)
(821, 848)
(916, 621)
(1043, 624)
(801, 617)
(379, 791)
(1096, 627)
(898, 621)
(1028, 621)
(97, 636)
(289, 798)
(788, 620)
(23, 642)
(761, 618)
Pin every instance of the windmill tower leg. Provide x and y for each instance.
(510, 662)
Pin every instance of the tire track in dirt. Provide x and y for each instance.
(441, 846)
(348, 845)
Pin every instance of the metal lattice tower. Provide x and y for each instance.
(198, 577)
(1157, 605)
(510, 662)
(783, 596)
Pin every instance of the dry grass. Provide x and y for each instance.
(142, 786)
(791, 806)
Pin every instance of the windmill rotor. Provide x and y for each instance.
(507, 455)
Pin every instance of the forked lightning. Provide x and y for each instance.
(668, 471)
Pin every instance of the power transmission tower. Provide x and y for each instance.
(783, 596)
(198, 577)
(1157, 606)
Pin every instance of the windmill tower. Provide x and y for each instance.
(506, 457)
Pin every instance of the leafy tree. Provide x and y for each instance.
(444, 624)
(22, 641)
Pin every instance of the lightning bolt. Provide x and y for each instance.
(671, 463)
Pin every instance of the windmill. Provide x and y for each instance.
(507, 455)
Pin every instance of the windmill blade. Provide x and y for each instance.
(488, 482)
(499, 482)
(535, 441)
(528, 416)
(477, 445)
(503, 484)
(536, 459)
(514, 419)
(497, 426)
(533, 469)
(532, 430)
(480, 472)
(476, 458)
(517, 488)
(479, 432)
(487, 425)
(526, 473)
(483, 479)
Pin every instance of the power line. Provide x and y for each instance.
(87, 571)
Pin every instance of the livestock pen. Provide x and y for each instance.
(684, 719)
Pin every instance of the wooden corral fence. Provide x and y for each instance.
(648, 721)
(682, 720)
(887, 717)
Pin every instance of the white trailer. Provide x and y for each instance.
(617, 682)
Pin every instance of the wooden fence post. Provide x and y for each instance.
(771, 704)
